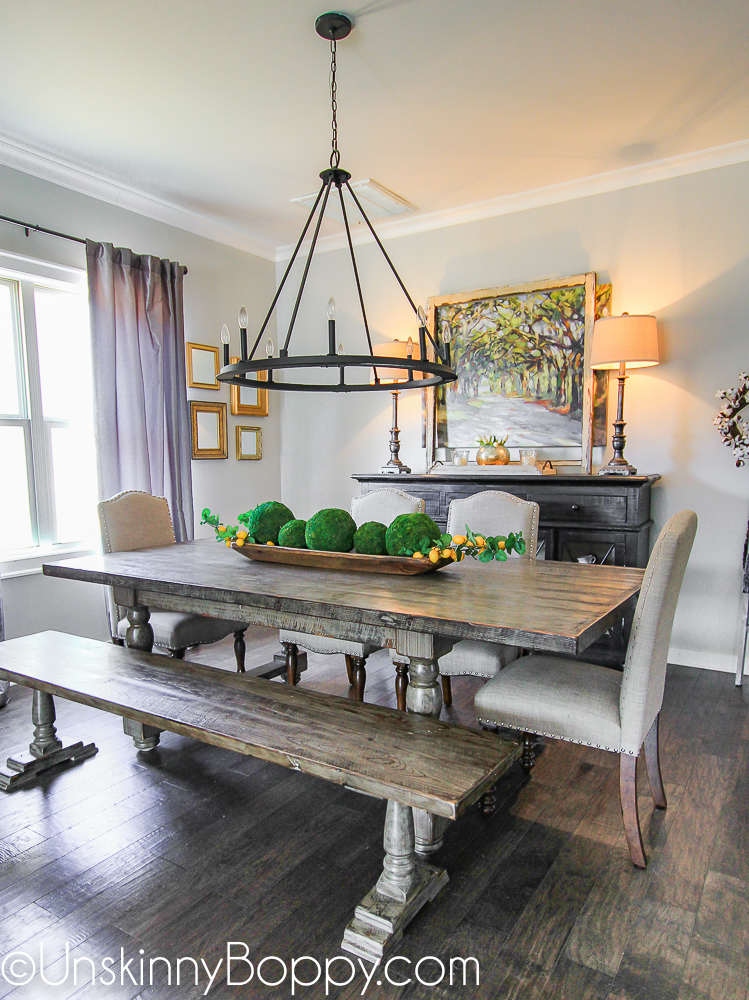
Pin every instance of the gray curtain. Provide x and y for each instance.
(140, 394)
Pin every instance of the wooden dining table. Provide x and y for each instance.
(555, 607)
(543, 606)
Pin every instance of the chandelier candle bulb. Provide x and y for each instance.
(242, 321)
(225, 339)
(331, 325)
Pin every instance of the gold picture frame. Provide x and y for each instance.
(247, 455)
(240, 409)
(208, 429)
(201, 360)
(486, 314)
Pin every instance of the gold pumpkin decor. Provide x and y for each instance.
(492, 451)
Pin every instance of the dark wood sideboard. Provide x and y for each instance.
(597, 519)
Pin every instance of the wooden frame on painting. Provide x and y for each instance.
(249, 401)
(522, 355)
(249, 443)
(208, 429)
(202, 366)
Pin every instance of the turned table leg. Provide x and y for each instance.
(405, 885)
(140, 636)
(45, 750)
(424, 697)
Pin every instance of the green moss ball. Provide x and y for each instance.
(369, 540)
(408, 531)
(330, 530)
(265, 521)
(292, 534)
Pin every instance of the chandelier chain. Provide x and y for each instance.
(335, 156)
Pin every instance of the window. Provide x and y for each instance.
(47, 457)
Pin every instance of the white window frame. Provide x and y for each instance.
(26, 273)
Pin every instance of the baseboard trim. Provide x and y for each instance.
(724, 663)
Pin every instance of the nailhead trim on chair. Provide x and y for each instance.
(556, 736)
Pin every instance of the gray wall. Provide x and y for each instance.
(677, 248)
(219, 280)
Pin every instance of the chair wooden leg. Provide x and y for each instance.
(528, 758)
(360, 676)
(447, 691)
(401, 685)
(350, 667)
(177, 654)
(488, 802)
(239, 649)
(653, 763)
(628, 794)
(291, 651)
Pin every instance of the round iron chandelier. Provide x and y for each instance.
(422, 372)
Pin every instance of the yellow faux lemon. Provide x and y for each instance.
(228, 543)
(501, 544)
(242, 534)
(220, 527)
(418, 555)
(480, 541)
(447, 553)
(240, 541)
(459, 539)
(434, 555)
(270, 543)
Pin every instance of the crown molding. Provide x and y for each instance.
(52, 168)
(49, 167)
(584, 187)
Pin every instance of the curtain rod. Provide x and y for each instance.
(40, 229)
(49, 232)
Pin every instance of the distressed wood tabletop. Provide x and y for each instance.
(417, 761)
(553, 606)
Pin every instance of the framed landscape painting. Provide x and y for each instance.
(521, 354)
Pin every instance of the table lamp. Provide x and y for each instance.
(623, 342)
(396, 349)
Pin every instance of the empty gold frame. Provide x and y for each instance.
(250, 401)
(208, 429)
(202, 366)
(249, 443)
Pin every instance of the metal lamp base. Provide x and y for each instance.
(617, 470)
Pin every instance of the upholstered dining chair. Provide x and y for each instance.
(598, 706)
(380, 505)
(136, 520)
(492, 512)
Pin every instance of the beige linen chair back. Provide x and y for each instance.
(384, 506)
(135, 520)
(645, 665)
(495, 512)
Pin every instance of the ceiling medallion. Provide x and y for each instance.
(421, 373)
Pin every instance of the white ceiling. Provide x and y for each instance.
(221, 107)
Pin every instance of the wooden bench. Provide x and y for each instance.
(414, 762)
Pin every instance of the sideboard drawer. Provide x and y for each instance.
(571, 507)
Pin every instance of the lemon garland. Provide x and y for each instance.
(485, 548)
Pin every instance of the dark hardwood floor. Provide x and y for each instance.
(178, 851)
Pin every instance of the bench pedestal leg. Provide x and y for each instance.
(405, 885)
(45, 751)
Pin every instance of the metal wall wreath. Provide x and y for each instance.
(732, 427)
(423, 372)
